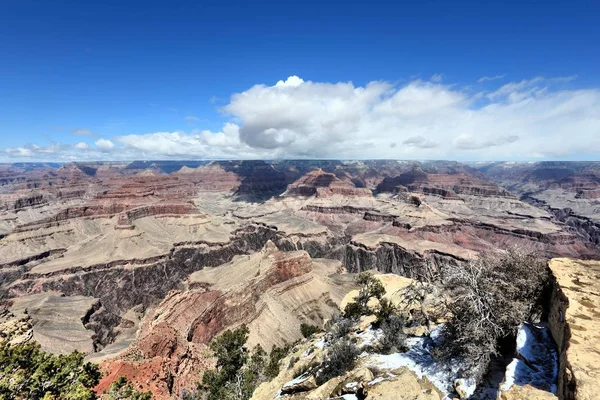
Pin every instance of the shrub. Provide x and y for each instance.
(190, 395)
(237, 373)
(369, 287)
(342, 328)
(308, 330)
(354, 310)
(26, 372)
(230, 351)
(121, 389)
(276, 355)
(385, 311)
(339, 359)
(394, 338)
(490, 298)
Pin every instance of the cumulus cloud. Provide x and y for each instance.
(82, 146)
(104, 144)
(530, 118)
(436, 77)
(19, 152)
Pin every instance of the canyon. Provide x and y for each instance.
(140, 265)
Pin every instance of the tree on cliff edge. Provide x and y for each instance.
(489, 298)
(238, 372)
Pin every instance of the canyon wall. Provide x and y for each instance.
(574, 321)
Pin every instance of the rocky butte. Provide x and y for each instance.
(141, 265)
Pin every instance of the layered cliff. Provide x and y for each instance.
(270, 291)
(574, 321)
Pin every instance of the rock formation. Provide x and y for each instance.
(575, 325)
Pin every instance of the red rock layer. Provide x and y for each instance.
(176, 347)
(323, 184)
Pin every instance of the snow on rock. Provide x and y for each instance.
(418, 359)
(376, 381)
(536, 363)
(296, 381)
(369, 337)
(320, 344)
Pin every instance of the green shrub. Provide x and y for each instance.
(385, 311)
(308, 330)
(340, 358)
(26, 372)
(276, 355)
(369, 287)
(394, 338)
(121, 389)
(354, 310)
(237, 374)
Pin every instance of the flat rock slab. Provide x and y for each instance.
(57, 321)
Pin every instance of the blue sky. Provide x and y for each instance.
(133, 79)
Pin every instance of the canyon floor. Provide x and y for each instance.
(140, 265)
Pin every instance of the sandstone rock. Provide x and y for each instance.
(302, 383)
(405, 386)
(58, 321)
(526, 392)
(322, 184)
(575, 325)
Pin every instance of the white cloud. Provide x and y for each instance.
(104, 144)
(490, 78)
(19, 152)
(292, 81)
(420, 142)
(82, 146)
(471, 143)
(191, 118)
(436, 77)
(82, 132)
(538, 117)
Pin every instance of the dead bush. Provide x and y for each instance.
(489, 298)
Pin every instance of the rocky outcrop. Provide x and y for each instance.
(58, 322)
(322, 184)
(574, 321)
(526, 392)
(585, 228)
(270, 291)
(389, 257)
(443, 185)
(172, 209)
(33, 200)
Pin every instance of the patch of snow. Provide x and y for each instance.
(320, 344)
(418, 359)
(296, 381)
(376, 381)
(467, 385)
(369, 337)
(534, 344)
(351, 385)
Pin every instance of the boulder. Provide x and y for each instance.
(302, 383)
